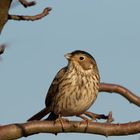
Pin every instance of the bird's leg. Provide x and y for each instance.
(62, 121)
(94, 116)
(85, 120)
(83, 117)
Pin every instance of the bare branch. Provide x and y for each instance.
(107, 87)
(26, 3)
(31, 18)
(4, 9)
(15, 131)
(4, 12)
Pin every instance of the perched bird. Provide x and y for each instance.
(74, 88)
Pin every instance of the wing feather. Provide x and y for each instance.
(53, 90)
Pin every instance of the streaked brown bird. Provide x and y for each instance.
(74, 88)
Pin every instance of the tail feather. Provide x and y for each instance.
(39, 115)
(52, 117)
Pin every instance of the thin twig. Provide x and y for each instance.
(30, 18)
(26, 3)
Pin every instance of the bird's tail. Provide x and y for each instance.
(40, 115)
(52, 117)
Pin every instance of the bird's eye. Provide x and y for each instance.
(81, 58)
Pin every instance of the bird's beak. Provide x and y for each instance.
(68, 56)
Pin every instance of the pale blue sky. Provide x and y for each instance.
(108, 29)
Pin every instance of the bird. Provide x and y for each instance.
(74, 88)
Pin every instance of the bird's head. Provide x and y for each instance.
(81, 60)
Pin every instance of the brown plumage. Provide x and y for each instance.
(74, 88)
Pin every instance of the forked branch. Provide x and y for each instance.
(5, 16)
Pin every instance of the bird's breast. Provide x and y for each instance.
(76, 94)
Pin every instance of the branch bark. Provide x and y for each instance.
(26, 3)
(4, 12)
(15, 131)
(4, 9)
(130, 96)
(30, 18)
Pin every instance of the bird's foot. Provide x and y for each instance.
(62, 121)
(84, 121)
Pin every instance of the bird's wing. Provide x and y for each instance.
(53, 90)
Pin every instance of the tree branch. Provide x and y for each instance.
(31, 18)
(130, 96)
(4, 12)
(15, 131)
(4, 8)
(26, 3)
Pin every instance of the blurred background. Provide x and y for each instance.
(109, 30)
